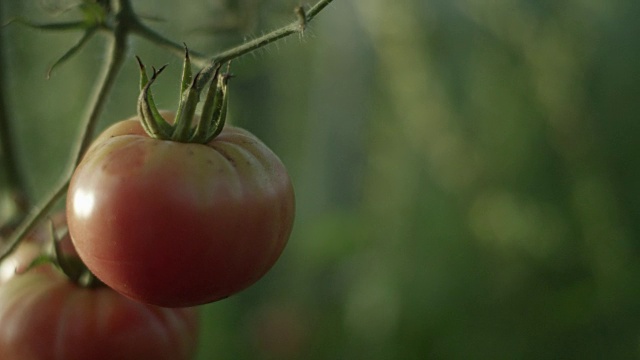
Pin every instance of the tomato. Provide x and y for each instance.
(44, 316)
(179, 224)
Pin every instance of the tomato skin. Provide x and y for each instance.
(175, 224)
(43, 316)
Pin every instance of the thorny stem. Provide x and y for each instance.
(14, 177)
(127, 23)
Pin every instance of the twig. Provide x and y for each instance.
(110, 71)
(226, 56)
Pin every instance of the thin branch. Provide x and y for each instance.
(209, 64)
(33, 218)
(315, 9)
(293, 28)
(98, 100)
(145, 32)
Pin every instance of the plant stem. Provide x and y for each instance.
(33, 218)
(226, 56)
(143, 31)
(209, 65)
(127, 23)
(118, 50)
(99, 98)
(14, 177)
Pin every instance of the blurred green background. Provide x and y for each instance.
(466, 171)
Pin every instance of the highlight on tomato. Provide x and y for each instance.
(175, 209)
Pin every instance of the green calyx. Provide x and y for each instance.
(183, 129)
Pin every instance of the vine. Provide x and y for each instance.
(118, 19)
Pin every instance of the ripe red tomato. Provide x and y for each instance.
(179, 224)
(46, 317)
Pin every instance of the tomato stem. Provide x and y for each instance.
(118, 50)
(298, 26)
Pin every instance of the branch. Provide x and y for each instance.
(98, 100)
(297, 26)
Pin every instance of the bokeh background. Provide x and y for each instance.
(466, 171)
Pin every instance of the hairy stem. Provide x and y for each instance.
(210, 64)
(226, 56)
